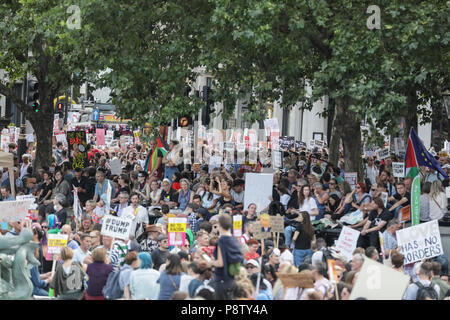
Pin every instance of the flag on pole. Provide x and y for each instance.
(417, 155)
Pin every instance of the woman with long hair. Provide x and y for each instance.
(170, 278)
(438, 201)
(209, 200)
(185, 195)
(425, 202)
(155, 193)
(250, 214)
(303, 236)
(171, 160)
(307, 203)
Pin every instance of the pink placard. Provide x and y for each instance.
(100, 135)
(177, 238)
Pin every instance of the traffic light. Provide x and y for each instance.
(209, 108)
(33, 95)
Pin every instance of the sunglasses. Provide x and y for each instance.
(250, 267)
(358, 187)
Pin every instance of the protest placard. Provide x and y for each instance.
(404, 214)
(286, 143)
(100, 136)
(177, 231)
(277, 223)
(56, 242)
(77, 149)
(419, 242)
(116, 227)
(116, 166)
(299, 145)
(277, 159)
(237, 225)
(379, 282)
(319, 143)
(351, 178)
(214, 162)
(13, 211)
(259, 232)
(346, 242)
(383, 153)
(295, 280)
(258, 189)
(5, 140)
(398, 169)
(447, 192)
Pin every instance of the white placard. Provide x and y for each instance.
(398, 168)
(420, 242)
(116, 166)
(277, 159)
(60, 240)
(116, 227)
(214, 162)
(447, 192)
(5, 140)
(237, 225)
(346, 242)
(351, 178)
(258, 189)
(383, 153)
(379, 282)
(447, 147)
(13, 211)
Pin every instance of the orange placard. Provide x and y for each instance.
(404, 214)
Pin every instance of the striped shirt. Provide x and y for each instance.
(118, 253)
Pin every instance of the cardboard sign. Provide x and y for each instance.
(56, 242)
(259, 232)
(383, 153)
(13, 211)
(398, 168)
(420, 242)
(116, 227)
(277, 223)
(379, 282)
(77, 149)
(404, 214)
(293, 280)
(258, 189)
(237, 225)
(346, 242)
(351, 178)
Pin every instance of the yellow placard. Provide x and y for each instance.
(237, 224)
(57, 243)
(177, 227)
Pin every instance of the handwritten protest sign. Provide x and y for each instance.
(237, 225)
(277, 223)
(116, 227)
(383, 153)
(77, 149)
(177, 231)
(258, 189)
(12, 211)
(420, 242)
(379, 282)
(346, 242)
(295, 280)
(56, 242)
(116, 166)
(398, 168)
(351, 178)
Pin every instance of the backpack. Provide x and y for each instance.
(426, 292)
(234, 259)
(111, 290)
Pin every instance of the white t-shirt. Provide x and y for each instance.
(287, 256)
(309, 205)
(284, 199)
(140, 216)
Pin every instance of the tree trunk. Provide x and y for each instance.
(333, 147)
(349, 129)
(43, 127)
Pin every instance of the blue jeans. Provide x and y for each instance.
(300, 255)
(397, 211)
(169, 171)
(288, 232)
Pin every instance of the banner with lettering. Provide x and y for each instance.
(77, 149)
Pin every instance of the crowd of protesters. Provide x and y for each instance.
(306, 191)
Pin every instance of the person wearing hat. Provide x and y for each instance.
(159, 256)
(252, 267)
(150, 243)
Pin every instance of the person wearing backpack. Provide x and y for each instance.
(423, 288)
(227, 260)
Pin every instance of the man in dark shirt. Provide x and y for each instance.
(169, 195)
(80, 183)
(160, 255)
(377, 221)
(399, 200)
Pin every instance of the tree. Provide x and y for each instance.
(41, 40)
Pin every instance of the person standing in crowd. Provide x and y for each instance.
(143, 281)
(438, 201)
(170, 278)
(131, 263)
(425, 276)
(123, 204)
(227, 250)
(68, 279)
(98, 273)
(386, 178)
(171, 160)
(303, 236)
(154, 165)
(370, 171)
(135, 212)
(425, 202)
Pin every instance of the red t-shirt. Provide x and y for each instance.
(250, 256)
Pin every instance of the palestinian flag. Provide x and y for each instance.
(417, 155)
(152, 158)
